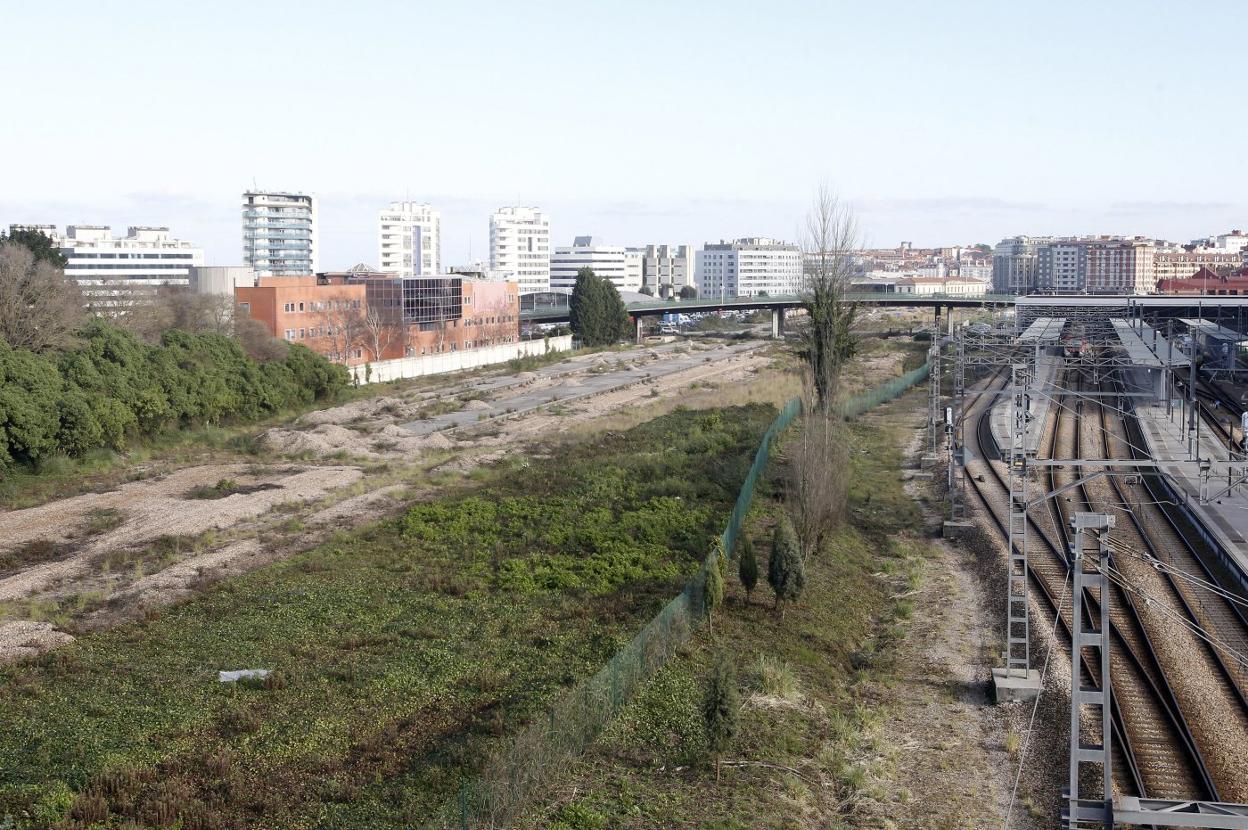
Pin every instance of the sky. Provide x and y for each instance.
(637, 122)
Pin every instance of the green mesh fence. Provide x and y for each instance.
(872, 398)
(549, 742)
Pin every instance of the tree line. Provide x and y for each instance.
(72, 382)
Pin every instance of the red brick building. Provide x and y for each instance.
(360, 316)
(1206, 281)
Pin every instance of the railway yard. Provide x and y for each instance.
(1038, 412)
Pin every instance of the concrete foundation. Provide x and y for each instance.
(956, 530)
(1010, 687)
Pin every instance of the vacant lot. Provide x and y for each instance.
(398, 655)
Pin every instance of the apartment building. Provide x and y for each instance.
(110, 269)
(1178, 265)
(1014, 263)
(280, 233)
(749, 267)
(520, 247)
(1121, 266)
(666, 269)
(623, 266)
(409, 239)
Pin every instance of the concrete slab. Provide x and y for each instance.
(1041, 398)
(1014, 686)
(956, 530)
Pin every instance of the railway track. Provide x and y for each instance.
(1154, 752)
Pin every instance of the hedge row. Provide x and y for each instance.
(112, 388)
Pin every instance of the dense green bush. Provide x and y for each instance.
(113, 387)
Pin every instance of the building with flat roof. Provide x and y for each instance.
(620, 265)
(114, 269)
(665, 269)
(942, 286)
(363, 315)
(749, 267)
(409, 239)
(520, 247)
(280, 233)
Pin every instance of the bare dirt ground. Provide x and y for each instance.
(100, 558)
(955, 759)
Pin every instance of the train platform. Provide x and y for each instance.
(1226, 516)
(1042, 395)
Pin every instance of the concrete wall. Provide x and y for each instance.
(436, 364)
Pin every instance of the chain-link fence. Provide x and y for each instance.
(872, 398)
(509, 779)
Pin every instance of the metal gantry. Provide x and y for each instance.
(1017, 627)
(1090, 634)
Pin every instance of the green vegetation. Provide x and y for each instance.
(112, 388)
(720, 709)
(402, 654)
(747, 567)
(806, 751)
(786, 572)
(596, 311)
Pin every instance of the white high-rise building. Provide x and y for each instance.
(749, 268)
(108, 266)
(520, 247)
(279, 234)
(616, 263)
(409, 239)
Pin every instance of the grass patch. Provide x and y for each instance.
(405, 651)
(810, 670)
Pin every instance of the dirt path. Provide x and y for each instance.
(955, 749)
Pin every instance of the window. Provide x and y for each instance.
(301, 306)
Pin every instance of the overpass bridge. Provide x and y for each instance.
(778, 305)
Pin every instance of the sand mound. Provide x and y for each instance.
(477, 405)
(437, 441)
(336, 436)
(293, 442)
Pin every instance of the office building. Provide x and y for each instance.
(110, 269)
(520, 247)
(749, 268)
(417, 315)
(409, 239)
(279, 234)
(620, 265)
(666, 269)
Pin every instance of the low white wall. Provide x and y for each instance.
(436, 364)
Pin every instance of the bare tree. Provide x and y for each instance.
(344, 328)
(380, 331)
(257, 340)
(819, 460)
(828, 243)
(39, 308)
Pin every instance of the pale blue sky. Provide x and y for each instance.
(639, 121)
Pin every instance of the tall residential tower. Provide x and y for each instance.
(520, 247)
(279, 233)
(409, 239)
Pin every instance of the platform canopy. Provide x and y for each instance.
(1043, 330)
(1139, 348)
(1210, 329)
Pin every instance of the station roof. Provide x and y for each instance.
(1043, 330)
(1140, 349)
(1211, 329)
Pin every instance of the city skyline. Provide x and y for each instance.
(706, 146)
